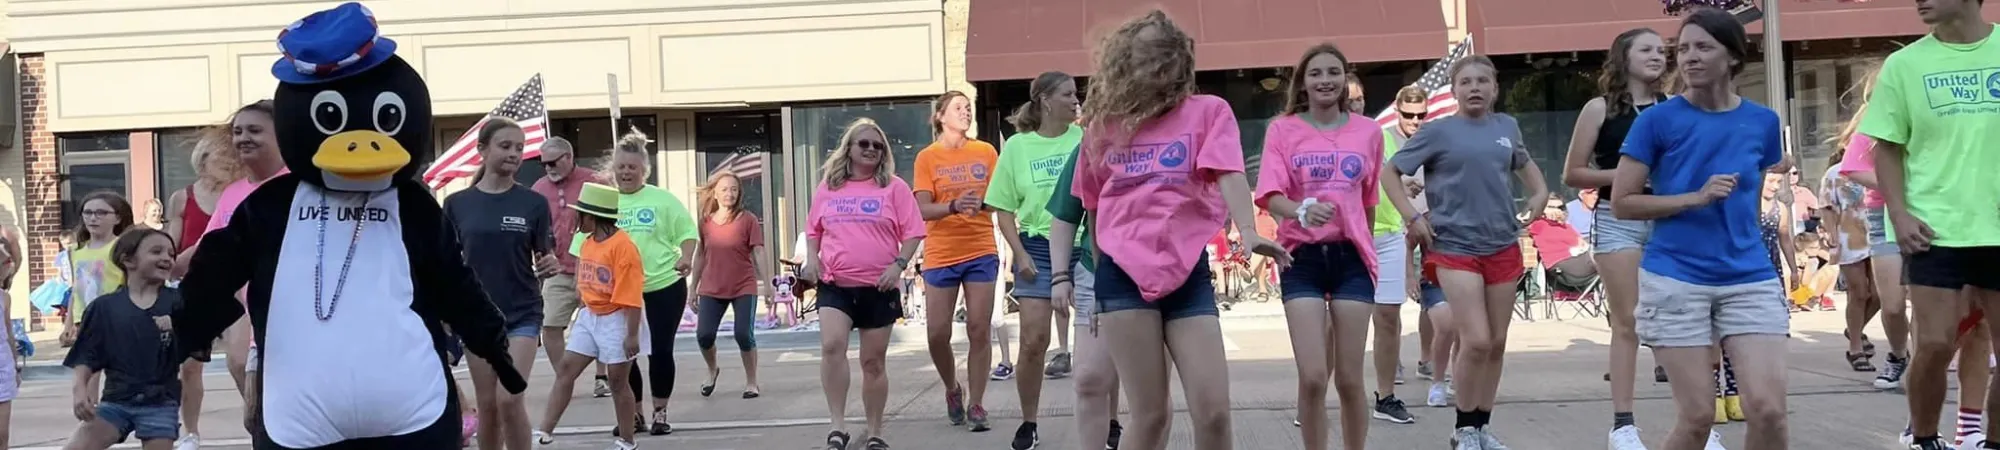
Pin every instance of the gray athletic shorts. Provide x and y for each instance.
(1084, 283)
(1610, 234)
(1674, 313)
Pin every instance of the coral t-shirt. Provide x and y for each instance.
(609, 276)
(861, 228)
(1155, 192)
(1338, 167)
(729, 256)
(948, 173)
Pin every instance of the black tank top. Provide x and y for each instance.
(1611, 136)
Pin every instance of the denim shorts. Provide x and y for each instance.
(1117, 292)
(984, 269)
(157, 422)
(1327, 271)
(1084, 285)
(1880, 241)
(1674, 313)
(1038, 249)
(1430, 295)
(1610, 234)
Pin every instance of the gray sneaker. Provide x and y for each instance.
(1059, 366)
(601, 390)
(1424, 370)
(1466, 438)
(1488, 442)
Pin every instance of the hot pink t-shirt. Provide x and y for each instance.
(861, 228)
(1155, 194)
(233, 195)
(1338, 167)
(1860, 157)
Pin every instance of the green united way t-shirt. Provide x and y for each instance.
(658, 222)
(1027, 174)
(1941, 101)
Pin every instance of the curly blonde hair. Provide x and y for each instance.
(215, 161)
(1139, 76)
(839, 165)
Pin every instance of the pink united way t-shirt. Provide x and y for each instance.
(1339, 167)
(1155, 194)
(232, 196)
(861, 228)
(1860, 157)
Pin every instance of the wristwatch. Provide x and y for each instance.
(1301, 212)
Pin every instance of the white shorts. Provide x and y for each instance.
(1392, 268)
(603, 336)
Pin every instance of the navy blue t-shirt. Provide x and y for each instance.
(1718, 244)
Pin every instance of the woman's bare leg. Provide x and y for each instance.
(568, 369)
(979, 313)
(1759, 363)
(1895, 306)
(1137, 340)
(1620, 272)
(1860, 296)
(193, 389)
(1444, 345)
(1035, 323)
(237, 339)
(874, 377)
(1689, 373)
(1195, 343)
(1096, 388)
(939, 305)
(1307, 320)
(1466, 292)
(513, 408)
(834, 326)
(1347, 339)
(95, 434)
(1499, 316)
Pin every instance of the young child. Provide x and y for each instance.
(610, 279)
(128, 337)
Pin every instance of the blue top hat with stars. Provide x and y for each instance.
(330, 45)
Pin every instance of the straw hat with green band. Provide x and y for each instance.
(597, 200)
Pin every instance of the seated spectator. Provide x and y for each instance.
(1561, 248)
(1580, 213)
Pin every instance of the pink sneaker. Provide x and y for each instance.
(468, 426)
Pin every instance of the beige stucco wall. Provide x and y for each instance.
(130, 64)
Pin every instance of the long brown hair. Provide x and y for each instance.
(1297, 102)
(1138, 79)
(708, 199)
(840, 165)
(1611, 81)
(119, 207)
(486, 134)
(1028, 117)
(937, 110)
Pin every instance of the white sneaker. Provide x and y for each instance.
(544, 440)
(1438, 398)
(1972, 441)
(1714, 441)
(188, 442)
(620, 444)
(1626, 438)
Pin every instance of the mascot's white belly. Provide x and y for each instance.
(370, 369)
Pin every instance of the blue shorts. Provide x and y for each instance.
(1117, 292)
(1430, 295)
(1322, 271)
(1038, 249)
(983, 269)
(159, 422)
(528, 326)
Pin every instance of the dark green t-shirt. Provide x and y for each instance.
(1066, 207)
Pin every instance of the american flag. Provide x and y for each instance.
(742, 164)
(1436, 81)
(524, 107)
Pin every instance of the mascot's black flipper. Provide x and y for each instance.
(353, 271)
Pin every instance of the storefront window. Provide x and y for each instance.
(174, 151)
(816, 130)
(92, 162)
(1545, 96)
(1825, 94)
(740, 141)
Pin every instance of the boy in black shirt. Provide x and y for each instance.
(128, 336)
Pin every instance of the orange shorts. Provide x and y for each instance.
(1501, 267)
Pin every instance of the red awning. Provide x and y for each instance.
(1531, 26)
(1018, 39)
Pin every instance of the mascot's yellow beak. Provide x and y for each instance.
(361, 155)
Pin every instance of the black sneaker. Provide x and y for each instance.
(1391, 409)
(1891, 376)
(1659, 374)
(1117, 431)
(1026, 438)
(875, 443)
(1930, 443)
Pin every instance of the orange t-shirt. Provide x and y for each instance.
(948, 173)
(610, 275)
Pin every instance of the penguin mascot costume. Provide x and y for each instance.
(353, 272)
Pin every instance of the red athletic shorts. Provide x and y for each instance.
(1501, 267)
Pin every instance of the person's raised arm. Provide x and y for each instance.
(1577, 170)
(1630, 202)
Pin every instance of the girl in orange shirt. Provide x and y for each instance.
(611, 282)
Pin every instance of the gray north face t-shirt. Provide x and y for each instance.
(1467, 166)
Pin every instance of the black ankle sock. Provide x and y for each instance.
(1619, 420)
(1483, 417)
(603, 378)
(1465, 419)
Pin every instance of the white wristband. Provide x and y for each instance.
(1301, 212)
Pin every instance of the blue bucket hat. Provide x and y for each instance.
(330, 45)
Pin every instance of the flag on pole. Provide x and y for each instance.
(524, 107)
(743, 165)
(1437, 82)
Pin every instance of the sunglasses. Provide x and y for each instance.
(549, 161)
(870, 145)
(1412, 115)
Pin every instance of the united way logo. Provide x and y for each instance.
(1351, 166)
(978, 171)
(603, 274)
(1993, 85)
(871, 206)
(1175, 155)
(644, 215)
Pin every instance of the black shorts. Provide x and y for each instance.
(1954, 268)
(870, 308)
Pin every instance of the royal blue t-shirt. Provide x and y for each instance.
(1718, 244)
